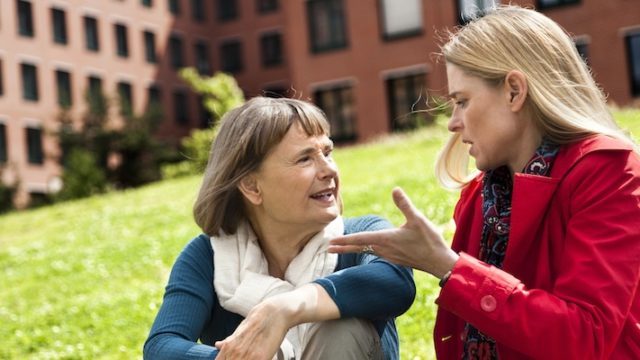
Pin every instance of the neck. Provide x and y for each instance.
(280, 244)
(527, 145)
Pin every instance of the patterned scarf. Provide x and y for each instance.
(496, 211)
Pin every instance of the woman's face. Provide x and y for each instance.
(298, 182)
(484, 117)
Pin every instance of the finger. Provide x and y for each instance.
(360, 239)
(403, 202)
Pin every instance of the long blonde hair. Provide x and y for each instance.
(563, 98)
(246, 135)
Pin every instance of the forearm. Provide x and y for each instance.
(376, 290)
(305, 304)
(170, 347)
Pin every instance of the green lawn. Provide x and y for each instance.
(84, 279)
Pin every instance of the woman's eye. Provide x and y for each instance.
(304, 159)
(328, 153)
(461, 103)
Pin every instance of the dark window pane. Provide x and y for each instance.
(147, 3)
(122, 43)
(59, 21)
(63, 84)
(96, 99)
(175, 51)
(197, 10)
(181, 108)
(633, 53)
(29, 82)
(3, 143)
(206, 119)
(271, 49)
(583, 50)
(469, 9)
(154, 96)
(91, 33)
(150, 53)
(231, 53)
(227, 9)
(327, 28)
(34, 146)
(267, 6)
(1, 77)
(407, 102)
(25, 18)
(337, 104)
(174, 7)
(126, 98)
(545, 4)
(202, 58)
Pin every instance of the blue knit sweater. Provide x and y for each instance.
(376, 290)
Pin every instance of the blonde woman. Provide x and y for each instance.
(545, 259)
(259, 284)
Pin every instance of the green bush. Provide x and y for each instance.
(82, 176)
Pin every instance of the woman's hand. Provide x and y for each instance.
(259, 335)
(417, 243)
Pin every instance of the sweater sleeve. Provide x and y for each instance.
(187, 304)
(368, 286)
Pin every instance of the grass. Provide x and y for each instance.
(84, 279)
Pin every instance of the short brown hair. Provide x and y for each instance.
(246, 136)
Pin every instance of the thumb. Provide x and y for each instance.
(405, 205)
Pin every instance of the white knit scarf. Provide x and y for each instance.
(241, 276)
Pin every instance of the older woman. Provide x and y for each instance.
(545, 260)
(259, 281)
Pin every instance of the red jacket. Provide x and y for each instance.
(569, 284)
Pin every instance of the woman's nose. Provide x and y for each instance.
(455, 123)
(327, 168)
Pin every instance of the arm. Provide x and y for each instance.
(374, 288)
(594, 279)
(188, 300)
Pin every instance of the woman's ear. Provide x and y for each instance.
(248, 186)
(516, 89)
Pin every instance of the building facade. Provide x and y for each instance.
(368, 64)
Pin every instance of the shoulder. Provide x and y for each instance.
(595, 150)
(196, 257)
(365, 223)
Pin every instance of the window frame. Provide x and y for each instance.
(227, 10)
(125, 98)
(121, 34)
(277, 59)
(35, 153)
(4, 146)
(336, 15)
(397, 35)
(176, 51)
(91, 33)
(462, 20)
(25, 71)
(631, 61)
(333, 115)
(64, 85)
(181, 107)
(150, 51)
(59, 26)
(540, 5)
(267, 6)
(225, 48)
(413, 80)
(25, 23)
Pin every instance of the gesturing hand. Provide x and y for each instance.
(417, 243)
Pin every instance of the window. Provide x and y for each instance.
(181, 109)
(337, 104)
(202, 57)
(545, 4)
(633, 54)
(406, 100)
(468, 9)
(401, 18)
(227, 9)
(122, 45)
(582, 46)
(206, 120)
(231, 53)
(146, 3)
(174, 7)
(327, 28)
(3, 143)
(267, 6)
(91, 33)
(34, 146)
(63, 84)
(150, 53)
(96, 100)
(197, 10)
(59, 21)
(25, 18)
(29, 82)
(271, 49)
(154, 96)
(126, 98)
(175, 49)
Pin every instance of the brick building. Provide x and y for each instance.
(367, 63)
